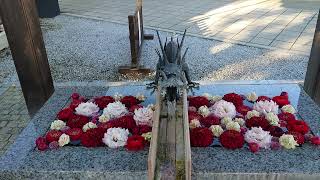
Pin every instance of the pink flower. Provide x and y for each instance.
(254, 147)
(259, 136)
(223, 109)
(275, 145)
(54, 145)
(266, 107)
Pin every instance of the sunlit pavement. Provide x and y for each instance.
(285, 24)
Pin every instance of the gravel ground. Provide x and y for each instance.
(84, 50)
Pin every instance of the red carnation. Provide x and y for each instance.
(75, 96)
(254, 147)
(236, 99)
(298, 126)
(65, 114)
(285, 94)
(201, 137)
(276, 131)
(135, 143)
(286, 116)
(53, 135)
(129, 101)
(144, 129)
(92, 137)
(103, 101)
(141, 129)
(194, 115)
(231, 139)
(74, 133)
(134, 107)
(106, 125)
(243, 109)
(210, 120)
(77, 121)
(41, 144)
(281, 100)
(126, 122)
(75, 103)
(258, 122)
(298, 137)
(315, 140)
(198, 101)
(263, 98)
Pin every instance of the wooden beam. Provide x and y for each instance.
(153, 150)
(312, 79)
(22, 26)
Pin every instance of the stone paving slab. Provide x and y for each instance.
(13, 116)
(269, 21)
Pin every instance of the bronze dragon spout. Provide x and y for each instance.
(172, 71)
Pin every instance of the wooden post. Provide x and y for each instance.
(136, 36)
(21, 24)
(312, 79)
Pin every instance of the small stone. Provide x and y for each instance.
(3, 123)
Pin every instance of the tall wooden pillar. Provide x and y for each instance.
(21, 24)
(312, 79)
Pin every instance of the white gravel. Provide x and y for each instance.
(84, 50)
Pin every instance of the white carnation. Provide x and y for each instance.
(64, 139)
(252, 97)
(87, 109)
(115, 137)
(194, 123)
(207, 95)
(226, 120)
(216, 98)
(204, 111)
(57, 125)
(288, 141)
(216, 130)
(240, 121)
(141, 97)
(259, 136)
(233, 126)
(273, 119)
(104, 118)
(288, 108)
(115, 109)
(88, 126)
(252, 113)
(143, 116)
(117, 96)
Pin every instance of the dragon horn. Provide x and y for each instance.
(184, 55)
(184, 35)
(178, 42)
(163, 52)
(181, 44)
(165, 43)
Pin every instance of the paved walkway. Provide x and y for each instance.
(261, 23)
(13, 116)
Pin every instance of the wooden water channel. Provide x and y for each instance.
(170, 153)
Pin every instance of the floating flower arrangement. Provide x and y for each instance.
(118, 121)
(260, 123)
